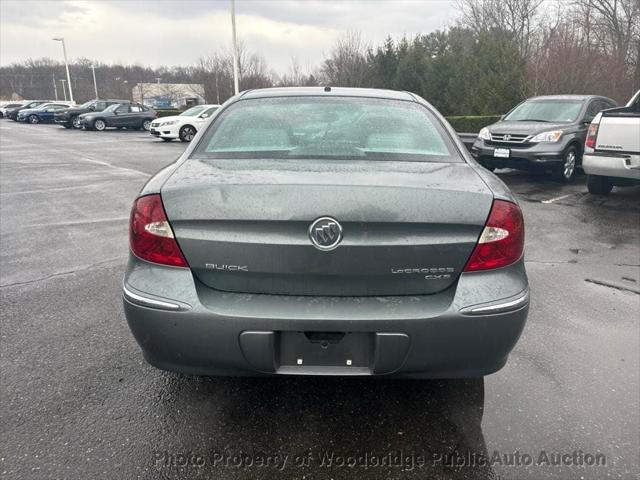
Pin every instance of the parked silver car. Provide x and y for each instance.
(612, 148)
(326, 231)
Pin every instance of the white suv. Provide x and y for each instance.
(612, 149)
(183, 126)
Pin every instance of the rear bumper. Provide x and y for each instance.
(466, 331)
(616, 166)
(537, 155)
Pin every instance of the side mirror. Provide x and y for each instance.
(92, 108)
(204, 115)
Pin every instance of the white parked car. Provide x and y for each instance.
(183, 126)
(8, 105)
(612, 149)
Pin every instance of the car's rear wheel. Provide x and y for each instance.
(34, 119)
(75, 122)
(146, 125)
(99, 125)
(567, 170)
(187, 133)
(599, 185)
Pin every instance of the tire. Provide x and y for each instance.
(599, 185)
(34, 119)
(75, 122)
(567, 171)
(99, 125)
(187, 133)
(146, 125)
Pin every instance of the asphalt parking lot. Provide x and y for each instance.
(79, 402)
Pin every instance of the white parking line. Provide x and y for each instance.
(123, 169)
(551, 200)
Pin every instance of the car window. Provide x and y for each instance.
(136, 108)
(100, 105)
(595, 106)
(122, 109)
(328, 128)
(193, 111)
(210, 111)
(561, 111)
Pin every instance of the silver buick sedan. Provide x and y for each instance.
(326, 231)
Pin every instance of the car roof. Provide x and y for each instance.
(566, 97)
(322, 91)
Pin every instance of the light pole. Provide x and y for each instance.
(55, 86)
(64, 90)
(66, 64)
(235, 46)
(95, 85)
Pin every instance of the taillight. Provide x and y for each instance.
(592, 134)
(150, 235)
(502, 240)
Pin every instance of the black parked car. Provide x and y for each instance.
(70, 117)
(542, 133)
(12, 113)
(119, 115)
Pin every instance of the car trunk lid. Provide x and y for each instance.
(408, 227)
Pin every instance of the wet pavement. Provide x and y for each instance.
(78, 401)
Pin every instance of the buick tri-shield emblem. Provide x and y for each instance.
(325, 233)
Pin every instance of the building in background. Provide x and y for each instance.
(168, 95)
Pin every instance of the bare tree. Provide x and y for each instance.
(297, 76)
(347, 63)
(593, 47)
(519, 17)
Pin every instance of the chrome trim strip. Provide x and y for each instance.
(515, 138)
(148, 302)
(499, 307)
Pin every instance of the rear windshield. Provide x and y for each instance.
(546, 111)
(327, 128)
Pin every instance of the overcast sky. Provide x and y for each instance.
(164, 32)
